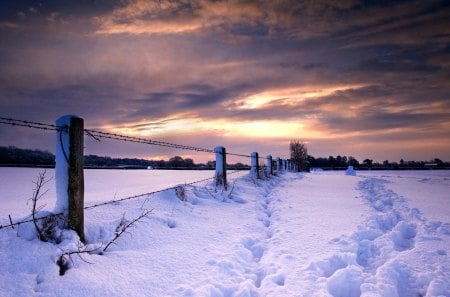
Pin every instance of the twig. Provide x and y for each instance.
(232, 188)
(214, 197)
(40, 182)
(63, 261)
(124, 225)
(10, 221)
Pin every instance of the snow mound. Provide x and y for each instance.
(350, 171)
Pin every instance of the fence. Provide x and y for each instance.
(69, 168)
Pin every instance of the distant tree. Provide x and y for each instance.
(176, 161)
(332, 161)
(352, 161)
(439, 162)
(188, 163)
(299, 155)
(368, 162)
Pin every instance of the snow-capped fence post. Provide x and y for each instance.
(69, 175)
(221, 166)
(254, 170)
(278, 166)
(269, 165)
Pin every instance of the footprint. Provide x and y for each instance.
(329, 266)
(171, 223)
(255, 247)
(279, 279)
(403, 235)
(366, 252)
(260, 275)
(266, 223)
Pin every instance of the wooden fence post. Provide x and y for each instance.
(254, 170)
(69, 172)
(278, 166)
(269, 165)
(221, 166)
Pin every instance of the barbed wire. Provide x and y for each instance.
(29, 124)
(153, 192)
(100, 134)
(97, 135)
(12, 224)
(240, 155)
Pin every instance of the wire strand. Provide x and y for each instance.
(144, 194)
(12, 224)
(97, 135)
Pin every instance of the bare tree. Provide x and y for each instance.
(299, 154)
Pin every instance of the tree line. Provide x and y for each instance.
(303, 161)
(27, 157)
(340, 162)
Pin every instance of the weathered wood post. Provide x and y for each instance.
(278, 166)
(221, 167)
(269, 168)
(254, 170)
(69, 172)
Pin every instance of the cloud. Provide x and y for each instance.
(212, 71)
(174, 17)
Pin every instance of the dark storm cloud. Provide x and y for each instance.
(191, 99)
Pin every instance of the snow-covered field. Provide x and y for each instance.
(315, 234)
(16, 185)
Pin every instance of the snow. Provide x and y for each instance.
(62, 164)
(219, 152)
(100, 185)
(350, 171)
(305, 234)
(254, 163)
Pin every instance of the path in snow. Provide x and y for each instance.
(395, 252)
(288, 247)
(308, 211)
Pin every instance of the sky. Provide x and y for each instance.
(369, 79)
